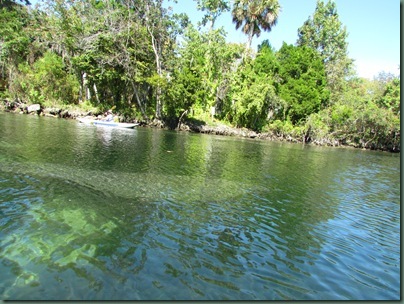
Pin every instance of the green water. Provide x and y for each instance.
(92, 213)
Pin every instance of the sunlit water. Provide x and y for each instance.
(96, 213)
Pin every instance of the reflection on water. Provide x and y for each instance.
(106, 214)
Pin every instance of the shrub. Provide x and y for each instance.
(46, 82)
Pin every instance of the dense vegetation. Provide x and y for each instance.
(149, 63)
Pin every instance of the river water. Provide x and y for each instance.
(93, 213)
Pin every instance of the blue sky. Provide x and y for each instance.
(373, 27)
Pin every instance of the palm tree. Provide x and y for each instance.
(254, 15)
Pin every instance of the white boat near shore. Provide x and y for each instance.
(107, 123)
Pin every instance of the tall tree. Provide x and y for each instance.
(186, 89)
(109, 48)
(14, 41)
(324, 32)
(253, 95)
(302, 81)
(255, 15)
(156, 21)
(215, 48)
(154, 15)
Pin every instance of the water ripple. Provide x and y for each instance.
(154, 215)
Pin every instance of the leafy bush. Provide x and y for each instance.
(302, 81)
(286, 130)
(46, 82)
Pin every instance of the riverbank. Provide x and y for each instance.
(188, 125)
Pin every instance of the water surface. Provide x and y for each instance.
(92, 213)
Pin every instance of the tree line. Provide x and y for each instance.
(150, 63)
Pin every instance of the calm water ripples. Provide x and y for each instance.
(104, 214)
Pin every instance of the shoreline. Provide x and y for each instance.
(186, 126)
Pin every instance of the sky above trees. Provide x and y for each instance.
(373, 28)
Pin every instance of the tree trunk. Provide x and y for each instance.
(156, 50)
(96, 93)
(87, 93)
(249, 40)
(159, 72)
(139, 103)
(179, 121)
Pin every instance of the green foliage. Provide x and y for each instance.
(213, 9)
(47, 81)
(318, 126)
(324, 33)
(191, 73)
(14, 39)
(14, 44)
(302, 81)
(184, 92)
(372, 127)
(356, 121)
(201, 73)
(266, 60)
(253, 92)
(391, 96)
(286, 130)
(252, 96)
